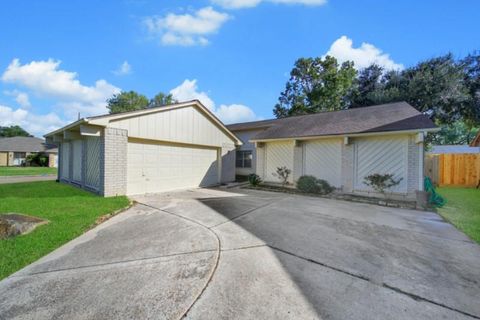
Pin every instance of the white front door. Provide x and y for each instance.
(163, 167)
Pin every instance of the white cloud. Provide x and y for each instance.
(188, 90)
(21, 98)
(186, 29)
(363, 56)
(124, 69)
(240, 4)
(46, 79)
(35, 124)
(235, 113)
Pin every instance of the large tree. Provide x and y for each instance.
(456, 133)
(13, 131)
(315, 85)
(471, 68)
(127, 101)
(162, 99)
(442, 87)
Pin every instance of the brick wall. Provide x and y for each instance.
(347, 166)
(413, 165)
(113, 170)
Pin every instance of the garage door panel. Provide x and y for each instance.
(158, 167)
(381, 155)
(277, 154)
(323, 159)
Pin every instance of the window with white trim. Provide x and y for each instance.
(244, 159)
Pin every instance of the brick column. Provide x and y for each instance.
(113, 168)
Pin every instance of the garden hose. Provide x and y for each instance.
(434, 199)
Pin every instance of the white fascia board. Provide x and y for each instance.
(367, 134)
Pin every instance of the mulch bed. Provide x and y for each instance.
(338, 196)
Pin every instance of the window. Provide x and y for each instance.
(244, 159)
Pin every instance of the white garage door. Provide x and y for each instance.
(381, 155)
(323, 159)
(161, 167)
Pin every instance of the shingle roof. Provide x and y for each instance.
(387, 117)
(24, 144)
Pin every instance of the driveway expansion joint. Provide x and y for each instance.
(113, 263)
(217, 260)
(383, 284)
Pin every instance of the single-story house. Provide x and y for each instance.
(341, 147)
(152, 150)
(14, 150)
(184, 145)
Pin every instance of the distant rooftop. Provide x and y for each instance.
(25, 144)
(454, 149)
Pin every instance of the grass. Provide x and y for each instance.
(462, 209)
(26, 171)
(69, 210)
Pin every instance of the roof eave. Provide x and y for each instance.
(360, 134)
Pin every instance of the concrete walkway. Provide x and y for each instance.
(17, 179)
(240, 254)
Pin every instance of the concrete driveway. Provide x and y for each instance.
(239, 254)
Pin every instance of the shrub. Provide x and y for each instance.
(37, 160)
(283, 173)
(381, 182)
(254, 180)
(310, 184)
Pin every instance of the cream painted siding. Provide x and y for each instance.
(65, 158)
(77, 160)
(323, 159)
(92, 162)
(162, 167)
(183, 125)
(278, 154)
(382, 155)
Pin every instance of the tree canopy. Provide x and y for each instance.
(13, 131)
(445, 88)
(131, 101)
(315, 85)
(162, 99)
(127, 101)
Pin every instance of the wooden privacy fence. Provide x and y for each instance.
(462, 169)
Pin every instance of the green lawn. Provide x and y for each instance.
(71, 211)
(26, 171)
(462, 209)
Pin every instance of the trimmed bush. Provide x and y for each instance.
(254, 180)
(311, 184)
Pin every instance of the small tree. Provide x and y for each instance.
(381, 182)
(282, 173)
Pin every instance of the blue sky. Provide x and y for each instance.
(59, 58)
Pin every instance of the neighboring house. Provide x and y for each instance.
(342, 147)
(14, 150)
(152, 150)
(448, 149)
